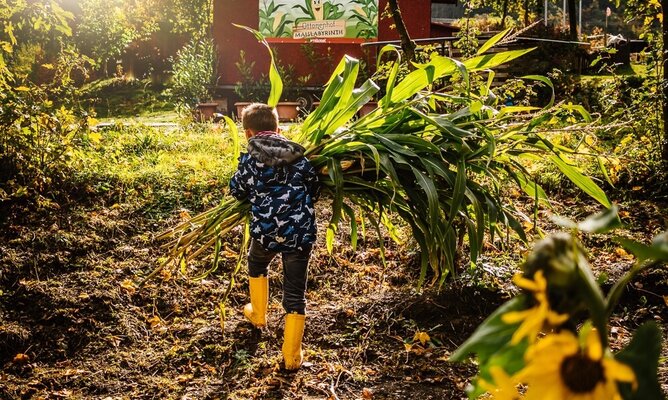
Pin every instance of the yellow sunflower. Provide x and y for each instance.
(533, 319)
(504, 386)
(557, 368)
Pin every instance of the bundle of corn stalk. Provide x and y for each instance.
(440, 172)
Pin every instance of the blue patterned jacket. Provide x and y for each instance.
(282, 186)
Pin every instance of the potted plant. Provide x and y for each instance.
(194, 77)
(249, 89)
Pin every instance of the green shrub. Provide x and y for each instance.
(194, 73)
(38, 143)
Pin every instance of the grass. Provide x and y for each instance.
(117, 97)
(165, 168)
(633, 69)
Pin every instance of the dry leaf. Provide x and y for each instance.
(154, 321)
(230, 254)
(423, 337)
(367, 393)
(665, 300)
(622, 253)
(129, 285)
(21, 358)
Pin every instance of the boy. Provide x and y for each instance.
(281, 186)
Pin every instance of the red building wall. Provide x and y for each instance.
(231, 40)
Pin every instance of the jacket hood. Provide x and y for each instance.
(274, 149)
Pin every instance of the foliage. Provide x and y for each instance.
(467, 38)
(557, 279)
(249, 88)
(331, 10)
(194, 73)
(119, 97)
(366, 14)
(22, 24)
(105, 30)
(190, 18)
(273, 23)
(441, 173)
(38, 142)
(630, 106)
(40, 136)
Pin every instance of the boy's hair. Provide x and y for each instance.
(259, 117)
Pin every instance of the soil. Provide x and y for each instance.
(74, 326)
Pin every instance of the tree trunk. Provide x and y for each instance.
(505, 14)
(526, 12)
(407, 45)
(572, 20)
(664, 144)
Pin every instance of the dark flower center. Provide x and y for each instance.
(581, 374)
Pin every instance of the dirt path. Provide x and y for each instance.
(67, 304)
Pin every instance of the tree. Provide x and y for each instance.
(407, 44)
(664, 26)
(572, 20)
(104, 30)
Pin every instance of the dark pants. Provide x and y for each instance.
(295, 271)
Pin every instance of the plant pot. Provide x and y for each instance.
(205, 111)
(288, 111)
(240, 107)
(367, 108)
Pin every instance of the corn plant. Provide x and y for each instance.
(441, 173)
(274, 23)
(366, 14)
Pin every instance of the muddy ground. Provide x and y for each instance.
(73, 326)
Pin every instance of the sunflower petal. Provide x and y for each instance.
(593, 345)
(615, 370)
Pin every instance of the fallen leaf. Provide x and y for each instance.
(129, 285)
(367, 393)
(230, 254)
(423, 337)
(21, 358)
(154, 321)
(665, 300)
(622, 253)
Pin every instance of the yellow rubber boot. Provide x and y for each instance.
(256, 310)
(292, 340)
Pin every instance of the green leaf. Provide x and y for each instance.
(642, 355)
(274, 76)
(580, 180)
(491, 344)
(546, 81)
(493, 41)
(657, 251)
(353, 225)
(602, 222)
(234, 135)
(487, 61)
(491, 333)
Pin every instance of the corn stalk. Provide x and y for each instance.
(440, 172)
